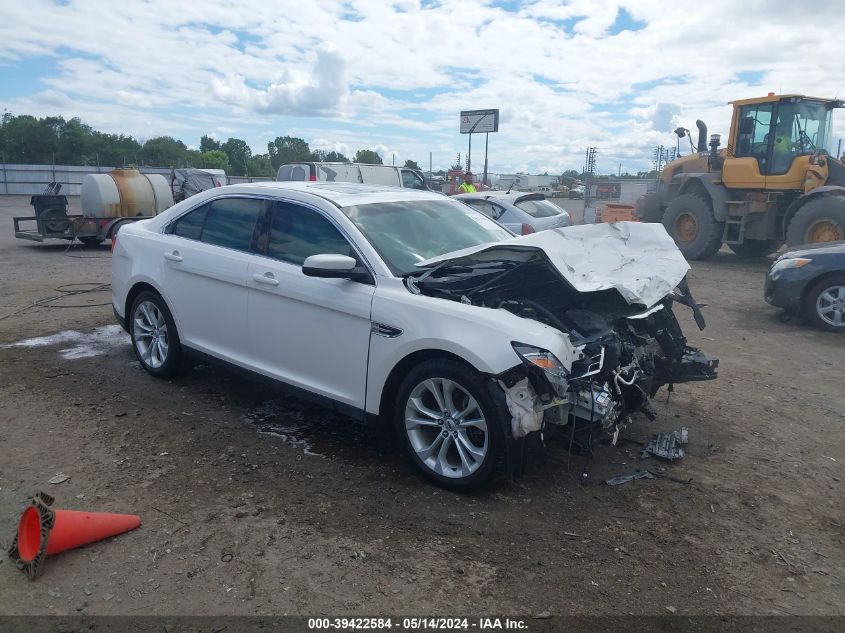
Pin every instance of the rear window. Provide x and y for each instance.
(539, 208)
(294, 172)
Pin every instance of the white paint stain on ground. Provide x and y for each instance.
(273, 417)
(79, 344)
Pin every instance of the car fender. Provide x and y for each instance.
(405, 323)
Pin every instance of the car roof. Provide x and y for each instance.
(341, 194)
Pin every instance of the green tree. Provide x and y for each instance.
(332, 156)
(287, 149)
(412, 164)
(208, 144)
(238, 153)
(368, 157)
(260, 165)
(115, 150)
(164, 151)
(28, 140)
(213, 159)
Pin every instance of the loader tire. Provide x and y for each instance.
(820, 220)
(690, 222)
(648, 208)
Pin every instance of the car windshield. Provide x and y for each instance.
(408, 232)
(539, 208)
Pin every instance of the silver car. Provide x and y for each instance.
(520, 212)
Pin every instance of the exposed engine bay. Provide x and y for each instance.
(626, 348)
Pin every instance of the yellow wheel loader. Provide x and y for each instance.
(774, 182)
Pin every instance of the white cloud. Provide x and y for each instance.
(368, 73)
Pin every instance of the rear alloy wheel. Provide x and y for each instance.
(820, 220)
(154, 336)
(450, 425)
(755, 248)
(690, 222)
(825, 304)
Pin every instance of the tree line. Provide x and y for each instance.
(25, 139)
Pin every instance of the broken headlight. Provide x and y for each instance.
(543, 359)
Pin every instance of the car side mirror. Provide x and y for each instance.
(331, 266)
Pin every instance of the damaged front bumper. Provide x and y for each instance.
(621, 368)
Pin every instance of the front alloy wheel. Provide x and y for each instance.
(826, 303)
(452, 421)
(446, 428)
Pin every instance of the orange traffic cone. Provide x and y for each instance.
(43, 531)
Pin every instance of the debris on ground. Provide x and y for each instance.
(623, 479)
(58, 479)
(667, 445)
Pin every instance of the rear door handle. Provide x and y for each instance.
(266, 278)
(173, 257)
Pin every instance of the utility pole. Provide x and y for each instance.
(486, 138)
(589, 172)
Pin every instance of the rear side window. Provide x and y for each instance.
(294, 172)
(296, 233)
(539, 208)
(230, 222)
(412, 180)
(190, 224)
(487, 208)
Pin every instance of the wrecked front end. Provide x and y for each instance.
(612, 301)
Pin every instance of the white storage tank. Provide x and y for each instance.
(124, 193)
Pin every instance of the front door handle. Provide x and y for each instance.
(266, 278)
(173, 257)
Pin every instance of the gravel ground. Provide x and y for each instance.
(257, 503)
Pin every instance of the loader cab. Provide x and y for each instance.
(773, 139)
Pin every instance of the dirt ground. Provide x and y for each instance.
(256, 503)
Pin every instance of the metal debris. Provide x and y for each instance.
(623, 479)
(667, 445)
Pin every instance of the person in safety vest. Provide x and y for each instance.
(784, 148)
(466, 185)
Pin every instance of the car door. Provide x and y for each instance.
(205, 256)
(309, 332)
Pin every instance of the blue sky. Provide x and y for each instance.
(393, 76)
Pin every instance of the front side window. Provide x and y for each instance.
(230, 222)
(297, 232)
(406, 232)
(801, 127)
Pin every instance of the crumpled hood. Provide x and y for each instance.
(637, 259)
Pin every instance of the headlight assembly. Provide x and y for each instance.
(543, 359)
(785, 263)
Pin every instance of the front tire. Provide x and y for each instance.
(450, 424)
(820, 220)
(690, 222)
(154, 336)
(825, 303)
(755, 248)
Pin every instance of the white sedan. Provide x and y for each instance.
(409, 306)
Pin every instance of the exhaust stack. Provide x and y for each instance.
(702, 136)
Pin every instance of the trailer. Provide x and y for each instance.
(108, 201)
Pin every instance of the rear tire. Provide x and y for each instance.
(154, 336)
(755, 248)
(819, 220)
(824, 304)
(690, 222)
(450, 425)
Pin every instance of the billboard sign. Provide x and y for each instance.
(479, 121)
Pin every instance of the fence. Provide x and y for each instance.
(29, 180)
